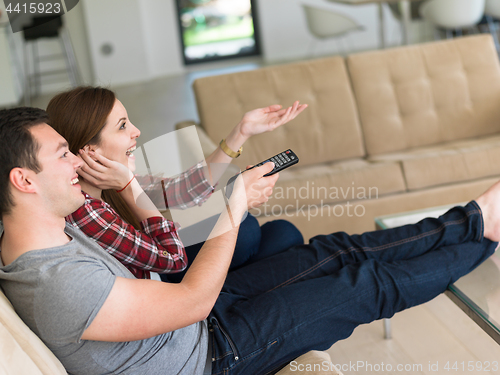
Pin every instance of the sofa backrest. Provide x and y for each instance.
(427, 94)
(21, 351)
(328, 130)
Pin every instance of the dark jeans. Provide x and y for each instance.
(254, 242)
(310, 296)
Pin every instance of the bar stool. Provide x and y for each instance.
(47, 27)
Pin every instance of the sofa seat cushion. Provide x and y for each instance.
(449, 163)
(24, 352)
(324, 183)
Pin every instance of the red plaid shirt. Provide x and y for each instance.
(157, 247)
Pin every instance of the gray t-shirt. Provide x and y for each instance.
(59, 291)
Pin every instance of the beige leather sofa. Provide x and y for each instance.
(385, 132)
(418, 125)
(23, 353)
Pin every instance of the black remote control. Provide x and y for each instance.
(281, 161)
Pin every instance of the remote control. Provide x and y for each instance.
(281, 161)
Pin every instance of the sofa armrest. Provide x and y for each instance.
(208, 146)
(21, 351)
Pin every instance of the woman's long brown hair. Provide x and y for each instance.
(79, 115)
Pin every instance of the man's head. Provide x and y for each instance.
(35, 160)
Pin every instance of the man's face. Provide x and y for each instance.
(57, 181)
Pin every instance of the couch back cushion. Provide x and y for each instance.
(328, 130)
(427, 94)
(21, 351)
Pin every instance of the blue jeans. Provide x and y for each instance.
(310, 296)
(254, 242)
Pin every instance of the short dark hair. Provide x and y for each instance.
(18, 148)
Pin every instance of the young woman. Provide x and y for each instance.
(97, 128)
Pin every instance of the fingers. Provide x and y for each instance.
(260, 188)
(267, 167)
(290, 109)
(87, 177)
(90, 161)
(260, 171)
(102, 172)
(288, 114)
(100, 158)
(300, 109)
(272, 108)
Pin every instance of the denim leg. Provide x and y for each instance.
(277, 236)
(338, 282)
(247, 242)
(258, 335)
(328, 253)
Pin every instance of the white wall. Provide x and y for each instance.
(117, 25)
(161, 31)
(144, 35)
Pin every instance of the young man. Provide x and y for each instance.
(98, 319)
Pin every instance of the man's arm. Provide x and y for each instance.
(139, 309)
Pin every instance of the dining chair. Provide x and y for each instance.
(453, 15)
(492, 13)
(326, 24)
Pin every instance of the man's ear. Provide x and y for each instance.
(21, 179)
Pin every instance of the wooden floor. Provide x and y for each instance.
(434, 338)
(425, 338)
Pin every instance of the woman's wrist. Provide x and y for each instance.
(127, 185)
(236, 138)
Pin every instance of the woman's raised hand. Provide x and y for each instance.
(255, 122)
(269, 118)
(103, 173)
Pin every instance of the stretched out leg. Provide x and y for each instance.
(327, 254)
(270, 329)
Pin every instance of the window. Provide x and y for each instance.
(217, 29)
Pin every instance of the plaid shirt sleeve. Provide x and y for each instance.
(157, 248)
(188, 189)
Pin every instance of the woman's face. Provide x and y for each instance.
(118, 137)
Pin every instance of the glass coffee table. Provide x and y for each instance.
(478, 293)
